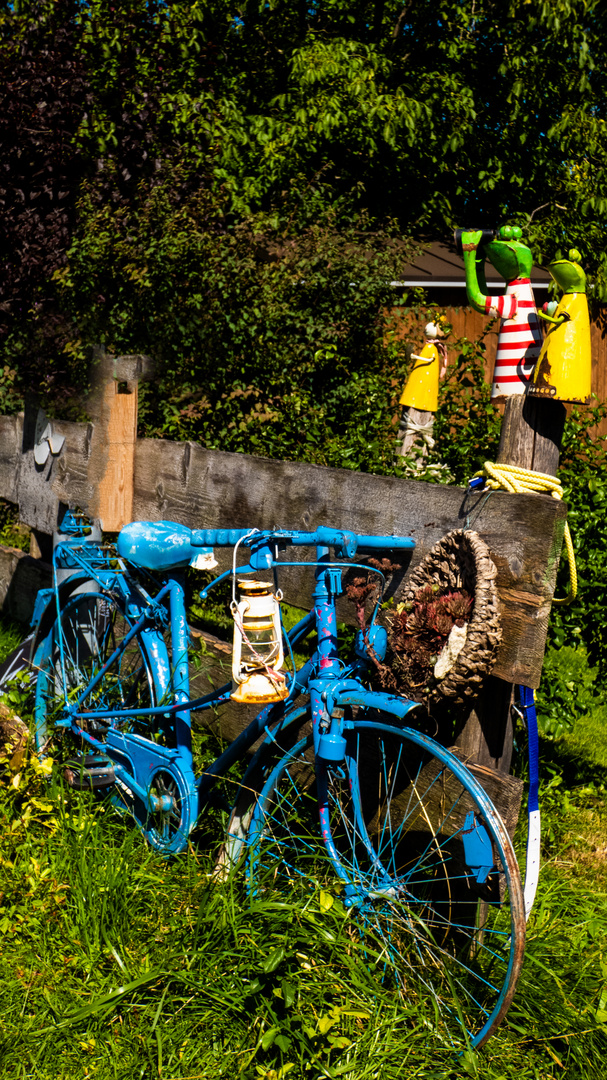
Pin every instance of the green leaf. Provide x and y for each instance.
(268, 1038)
(289, 993)
(273, 961)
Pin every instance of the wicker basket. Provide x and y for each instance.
(461, 560)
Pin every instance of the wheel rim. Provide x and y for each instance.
(92, 625)
(441, 935)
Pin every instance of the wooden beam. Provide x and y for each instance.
(38, 503)
(112, 406)
(186, 483)
(208, 488)
(114, 465)
(532, 431)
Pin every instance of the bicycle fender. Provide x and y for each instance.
(45, 608)
(354, 694)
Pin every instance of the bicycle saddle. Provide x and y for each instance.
(166, 545)
(162, 545)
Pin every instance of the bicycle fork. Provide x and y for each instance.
(329, 733)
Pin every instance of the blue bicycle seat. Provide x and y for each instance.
(157, 545)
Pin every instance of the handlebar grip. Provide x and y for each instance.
(217, 537)
(391, 543)
(343, 539)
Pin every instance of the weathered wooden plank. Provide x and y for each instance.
(506, 792)
(70, 479)
(95, 471)
(38, 504)
(112, 406)
(11, 437)
(531, 435)
(485, 734)
(204, 488)
(211, 669)
(63, 479)
(186, 483)
(435, 788)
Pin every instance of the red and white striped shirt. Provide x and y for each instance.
(520, 338)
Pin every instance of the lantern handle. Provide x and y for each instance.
(240, 540)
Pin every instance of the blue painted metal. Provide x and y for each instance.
(155, 779)
(331, 747)
(374, 637)
(478, 851)
(165, 545)
(43, 599)
(132, 633)
(180, 640)
(159, 610)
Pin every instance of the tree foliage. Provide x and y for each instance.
(207, 116)
(44, 95)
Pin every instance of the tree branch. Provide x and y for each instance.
(543, 207)
(400, 22)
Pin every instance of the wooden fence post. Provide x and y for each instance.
(532, 431)
(113, 409)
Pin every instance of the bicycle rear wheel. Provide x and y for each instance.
(92, 625)
(421, 857)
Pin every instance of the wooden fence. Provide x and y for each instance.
(103, 469)
(186, 483)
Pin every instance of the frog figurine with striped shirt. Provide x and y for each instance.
(520, 340)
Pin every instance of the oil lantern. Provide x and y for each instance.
(257, 655)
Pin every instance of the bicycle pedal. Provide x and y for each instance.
(90, 773)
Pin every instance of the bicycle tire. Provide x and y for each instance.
(451, 945)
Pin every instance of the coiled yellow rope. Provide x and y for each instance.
(521, 481)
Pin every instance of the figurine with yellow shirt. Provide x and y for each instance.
(564, 367)
(420, 396)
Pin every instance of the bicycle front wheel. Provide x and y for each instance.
(422, 859)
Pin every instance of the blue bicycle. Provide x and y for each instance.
(346, 793)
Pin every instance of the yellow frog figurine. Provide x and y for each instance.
(564, 367)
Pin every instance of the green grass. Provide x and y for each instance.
(116, 964)
(589, 735)
(11, 633)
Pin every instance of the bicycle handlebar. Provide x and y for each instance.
(345, 542)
